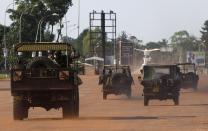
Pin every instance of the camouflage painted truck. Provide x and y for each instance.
(116, 80)
(189, 76)
(46, 81)
(161, 82)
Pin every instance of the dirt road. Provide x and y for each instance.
(115, 114)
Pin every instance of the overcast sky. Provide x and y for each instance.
(148, 20)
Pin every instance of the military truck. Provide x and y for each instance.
(116, 80)
(45, 81)
(161, 82)
(189, 76)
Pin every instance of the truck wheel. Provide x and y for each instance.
(104, 96)
(176, 100)
(195, 87)
(146, 101)
(128, 94)
(25, 109)
(25, 113)
(68, 109)
(18, 109)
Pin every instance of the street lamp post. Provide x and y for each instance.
(66, 24)
(20, 23)
(40, 24)
(20, 27)
(5, 46)
(78, 26)
(73, 25)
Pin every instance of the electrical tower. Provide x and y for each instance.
(102, 26)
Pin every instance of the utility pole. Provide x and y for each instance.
(78, 26)
(5, 51)
(66, 25)
(103, 34)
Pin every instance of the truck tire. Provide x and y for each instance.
(25, 113)
(104, 95)
(129, 94)
(18, 109)
(68, 109)
(25, 109)
(146, 101)
(176, 100)
(195, 85)
(71, 107)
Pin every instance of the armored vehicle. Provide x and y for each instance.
(116, 80)
(189, 76)
(161, 82)
(46, 81)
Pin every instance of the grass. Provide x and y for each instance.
(4, 76)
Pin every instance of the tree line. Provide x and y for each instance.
(32, 12)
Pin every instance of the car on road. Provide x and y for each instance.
(189, 76)
(116, 80)
(161, 82)
(45, 81)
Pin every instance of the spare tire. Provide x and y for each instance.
(189, 76)
(42, 62)
(121, 80)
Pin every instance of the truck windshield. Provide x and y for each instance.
(155, 72)
(187, 68)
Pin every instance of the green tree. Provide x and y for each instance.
(159, 44)
(95, 43)
(183, 42)
(33, 11)
(123, 37)
(86, 44)
(2, 38)
(80, 41)
(204, 32)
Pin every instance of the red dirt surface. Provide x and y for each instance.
(117, 113)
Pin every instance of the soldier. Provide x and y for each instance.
(101, 78)
(50, 55)
(109, 78)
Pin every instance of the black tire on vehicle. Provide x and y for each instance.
(25, 109)
(128, 94)
(195, 86)
(68, 109)
(146, 101)
(176, 100)
(18, 109)
(71, 108)
(104, 95)
(25, 114)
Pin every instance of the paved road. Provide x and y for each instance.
(115, 114)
